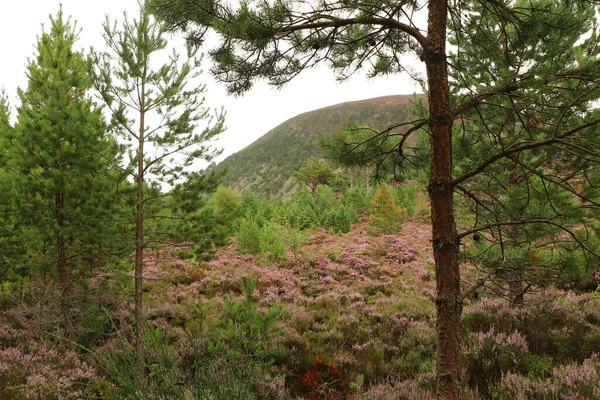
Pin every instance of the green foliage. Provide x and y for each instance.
(406, 197)
(193, 217)
(227, 203)
(255, 207)
(384, 213)
(356, 198)
(248, 236)
(60, 209)
(294, 239)
(271, 242)
(228, 358)
(300, 211)
(254, 239)
(172, 110)
(314, 173)
(341, 219)
(528, 207)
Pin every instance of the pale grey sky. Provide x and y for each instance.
(248, 117)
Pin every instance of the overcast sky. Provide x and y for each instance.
(248, 117)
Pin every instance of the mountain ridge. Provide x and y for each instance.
(266, 165)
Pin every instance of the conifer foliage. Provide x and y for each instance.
(158, 109)
(57, 160)
(385, 214)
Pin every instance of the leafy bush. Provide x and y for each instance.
(255, 207)
(271, 242)
(406, 197)
(356, 198)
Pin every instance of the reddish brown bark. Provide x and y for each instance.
(441, 189)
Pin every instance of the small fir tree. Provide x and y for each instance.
(385, 214)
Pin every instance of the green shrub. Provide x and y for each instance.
(227, 203)
(255, 207)
(271, 242)
(339, 219)
(385, 214)
(356, 198)
(248, 237)
(406, 197)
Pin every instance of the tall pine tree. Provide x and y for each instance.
(59, 157)
(157, 109)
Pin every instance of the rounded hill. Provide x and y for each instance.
(267, 164)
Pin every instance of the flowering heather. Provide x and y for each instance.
(349, 316)
(44, 373)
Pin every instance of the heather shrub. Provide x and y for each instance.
(384, 212)
(572, 381)
(550, 331)
(32, 366)
(490, 354)
(422, 388)
(44, 372)
(226, 352)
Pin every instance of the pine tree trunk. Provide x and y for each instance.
(139, 248)
(61, 265)
(445, 238)
(139, 267)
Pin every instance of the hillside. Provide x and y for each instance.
(267, 164)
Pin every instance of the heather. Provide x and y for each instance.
(306, 312)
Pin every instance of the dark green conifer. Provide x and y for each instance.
(60, 160)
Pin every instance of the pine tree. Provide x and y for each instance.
(385, 214)
(9, 241)
(313, 173)
(277, 40)
(158, 110)
(58, 160)
(526, 208)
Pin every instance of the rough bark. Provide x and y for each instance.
(445, 237)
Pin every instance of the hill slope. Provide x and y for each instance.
(266, 165)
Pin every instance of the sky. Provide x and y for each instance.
(248, 117)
